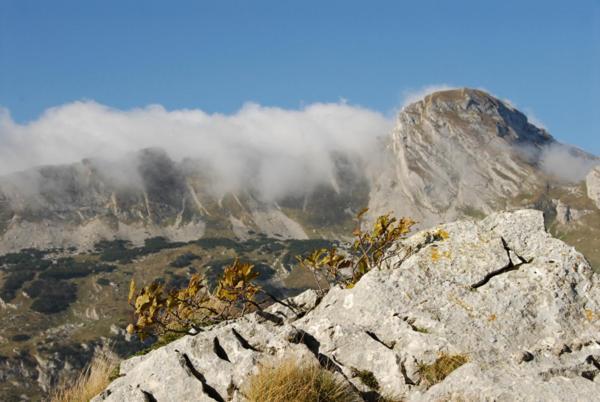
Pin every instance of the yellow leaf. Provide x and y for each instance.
(361, 213)
(142, 301)
(131, 291)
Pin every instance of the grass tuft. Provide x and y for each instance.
(440, 369)
(367, 378)
(93, 380)
(293, 381)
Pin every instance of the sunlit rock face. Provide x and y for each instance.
(521, 307)
(458, 150)
(593, 185)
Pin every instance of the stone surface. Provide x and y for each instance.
(593, 185)
(522, 305)
(463, 152)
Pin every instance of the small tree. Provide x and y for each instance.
(367, 251)
(159, 311)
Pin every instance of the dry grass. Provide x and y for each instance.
(90, 382)
(440, 369)
(293, 381)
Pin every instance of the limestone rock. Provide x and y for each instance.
(521, 305)
(565, 214)
(463, 152)
(593, 185)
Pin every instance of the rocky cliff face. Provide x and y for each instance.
(593, 185)
(462, 152)
(151, 195)
(522, 306)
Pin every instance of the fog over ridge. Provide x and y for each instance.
(282, 151)
(285, 148)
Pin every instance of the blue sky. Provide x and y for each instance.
(218, 55)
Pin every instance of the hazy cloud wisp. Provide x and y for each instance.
(286, 149)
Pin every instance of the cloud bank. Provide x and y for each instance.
(280, 149)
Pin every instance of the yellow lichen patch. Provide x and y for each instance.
(492, 317)
(459, 302)
(442, 234)
(436, 255)
(589, 315)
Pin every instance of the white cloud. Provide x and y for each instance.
(566, 162)
(412, 96)
(281, 149)
(533, 119)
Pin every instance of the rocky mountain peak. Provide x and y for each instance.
(475, 109)
(458, 150)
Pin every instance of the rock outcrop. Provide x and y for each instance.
(593, 185)
(463, 152)
(522, 306)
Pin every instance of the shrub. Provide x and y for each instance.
(292, 381)
(440, 369)
(158, 310)
(121, 250)
(184, 260)
(368, 250)
(51, 296)
(67, 268)
(24, 256)
(20, 337)
(214, 242)
(13, 282)
(93, 380)
(103, 281)
(115, 250)
(366, 377)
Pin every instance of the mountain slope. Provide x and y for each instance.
(150, 195)
(458, 151)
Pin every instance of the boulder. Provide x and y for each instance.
(521, 307)
(593, 185)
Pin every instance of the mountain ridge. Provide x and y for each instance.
(455, 155)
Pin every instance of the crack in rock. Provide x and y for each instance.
(148, 397)
(590, 374)
(302, 337)
(511, 266)
(409, 321)
(593, 361)
(376, 339)
(219, 351)
(313, 345)
(206, 388)
(270, 317)
(407, 379)
(243, 342)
